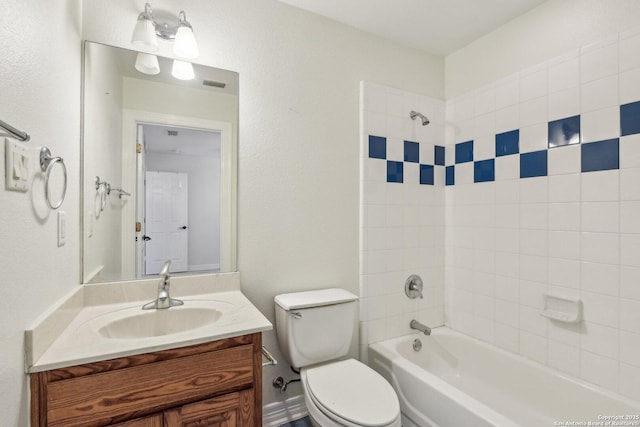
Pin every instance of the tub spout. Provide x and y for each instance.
(420, 327)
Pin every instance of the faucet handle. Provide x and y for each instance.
(413, 286)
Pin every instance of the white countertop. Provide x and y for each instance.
(70, 334)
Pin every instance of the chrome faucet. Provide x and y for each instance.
(163, 300)
(420, 327)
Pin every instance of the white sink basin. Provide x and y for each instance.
(134, 323)
(154, 323)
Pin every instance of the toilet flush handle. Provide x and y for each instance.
(295, 314)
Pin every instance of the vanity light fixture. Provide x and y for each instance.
(145, 35)
(181, 32)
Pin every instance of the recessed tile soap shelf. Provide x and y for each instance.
(562, 308)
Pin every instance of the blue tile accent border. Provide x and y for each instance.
(484, 171)
(377, 147)
(427, 174)
(533, 164)
(601, 155)
(450, 175)
(564, 132)
(630, 118)
(395, 171)
(464, 152)
(438, 155)
(411, 152)
(595, 156)
(508, 143)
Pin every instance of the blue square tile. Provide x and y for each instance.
(564, 132)
(439, 155)
(450, 175)
(630, 118)
(411, 152)
(377, 147)
(426, 174)
(508, 143)
(533, 164)
(395, 171)
(484, 171)
(464, 152)
(601, 155)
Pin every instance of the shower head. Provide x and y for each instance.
(414, 114)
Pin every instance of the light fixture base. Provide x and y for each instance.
(167, 24)
(166, 31)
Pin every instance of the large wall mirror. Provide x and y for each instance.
(159, 168)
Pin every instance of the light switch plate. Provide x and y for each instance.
(62, 228)
(16, 162)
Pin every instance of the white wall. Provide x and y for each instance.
(547, 31)
(568, 232)
(299, 137)
(40, 87)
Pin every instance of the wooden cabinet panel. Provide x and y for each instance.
(224, 411)
(152, 421)
(106, 395)
(190, 380)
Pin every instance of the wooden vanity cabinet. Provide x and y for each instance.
(212, 384)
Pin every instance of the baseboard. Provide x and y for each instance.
(278, 413)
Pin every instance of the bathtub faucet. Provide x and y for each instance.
(420, 327)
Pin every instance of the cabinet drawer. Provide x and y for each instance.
(107, 397)
(229, 410)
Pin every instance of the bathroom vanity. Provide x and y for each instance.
(212, 384)
(111, 363)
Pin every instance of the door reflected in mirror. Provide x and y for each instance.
(180, 217)
(165, 152)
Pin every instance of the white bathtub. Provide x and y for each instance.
(458, 381)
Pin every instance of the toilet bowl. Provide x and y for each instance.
(314, 330)
(349, 394)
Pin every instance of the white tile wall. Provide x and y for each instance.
(403, 223)
(570, 232)
(495, 248)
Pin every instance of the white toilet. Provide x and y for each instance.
(314, 332)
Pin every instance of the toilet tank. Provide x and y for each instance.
(315, 326)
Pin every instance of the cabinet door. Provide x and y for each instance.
(229, 410)
(151, 421)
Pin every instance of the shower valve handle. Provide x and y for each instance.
(413, 286)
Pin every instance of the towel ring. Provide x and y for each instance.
(47, 164)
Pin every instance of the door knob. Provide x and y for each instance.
(184, 227)
(146, 238)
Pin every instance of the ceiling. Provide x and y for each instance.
(439, 27)
(187, 142)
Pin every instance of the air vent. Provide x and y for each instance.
(213, 83)
(172, 132)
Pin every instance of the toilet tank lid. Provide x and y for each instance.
(297, 300)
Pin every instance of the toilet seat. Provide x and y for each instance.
(352, 394)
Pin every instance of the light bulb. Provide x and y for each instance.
(147, 63)
(182, 70)
(185, 45)
(144, 33)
